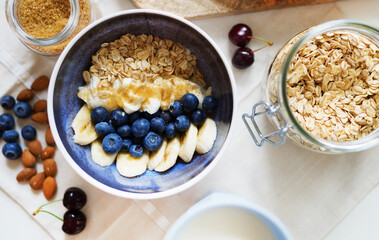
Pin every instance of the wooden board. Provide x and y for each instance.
(192, 9)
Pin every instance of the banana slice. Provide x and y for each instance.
(188, 144)
(170, 156)
(157, 156)
(129, 166)
(83, 127)
(206, 136)
(99, 156)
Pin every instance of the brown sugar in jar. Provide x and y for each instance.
(46, 26)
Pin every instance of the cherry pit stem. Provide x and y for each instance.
(41, 210)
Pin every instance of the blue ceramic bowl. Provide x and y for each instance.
(63, 103)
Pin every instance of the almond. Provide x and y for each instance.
(35, 147)
(40, 106)
(28, 159)
(37, 180)
(49, 137)
(25, 174)
(48, 152)
(41, 83)
(49, 186)
(50, 167)
(40, 117)
(25, 95)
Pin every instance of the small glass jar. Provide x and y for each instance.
(276, 104)
(80, 15)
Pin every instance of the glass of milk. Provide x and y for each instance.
(224, 216)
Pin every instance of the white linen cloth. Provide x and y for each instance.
(310, 192)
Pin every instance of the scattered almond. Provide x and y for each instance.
(40, 117)
(49, 137)
(49, 186)
(25, 95)
(40, 106)
(25, 174)
(28, 159)
(41, 83)
(35, 147)
(50, 167)
(48, 152)
(37, 180)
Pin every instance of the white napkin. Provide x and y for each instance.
(311, 193)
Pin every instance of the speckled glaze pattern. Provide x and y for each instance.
(66, 103)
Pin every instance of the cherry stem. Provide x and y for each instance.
(264, 40)
(40, 210)
(259, 48)
(59, 200)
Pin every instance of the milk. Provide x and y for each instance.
(225, 223)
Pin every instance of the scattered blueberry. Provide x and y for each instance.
(10, 136)
(22, 109)
(7, 102)
(209, 104)
(112, 143)
(152, 141)
(12, 151)
(170, 130)
(176, 109)
(104, 128)
(99, 114)
(124, 131)
(118, 118)
(136, 151)
(6, 122)
(166, 116)
(140, 127)
(190, 102)
(133, 117)
(125, 145)
(182, 123)
(29, 132)
(198, 117)
(157, 124)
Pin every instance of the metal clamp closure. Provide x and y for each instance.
(272, 111)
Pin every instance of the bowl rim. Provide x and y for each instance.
(89, 178)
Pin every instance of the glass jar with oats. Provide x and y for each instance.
(322, 90)
(47, 26)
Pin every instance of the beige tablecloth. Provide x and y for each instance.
(311, 193)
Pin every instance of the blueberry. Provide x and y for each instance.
(209, 104)
(190, 102)
(176, 109)
(12, 151)
(104, 128)
(10, 136)
(7, 102)
(22, 109)
(170, 130)
(136, 151)
(157, 124)
(29, 132)
(140, 127)
(118, 118)
(147, 115)
(198, 117)
(133, 117)
(112, 143)
(125, 145)
(152, 141)
(6, 122)
(166, 116)
(124, 131)
(99, 114)
(182, 123)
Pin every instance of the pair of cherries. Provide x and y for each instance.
(240, 35)
(74, 220)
